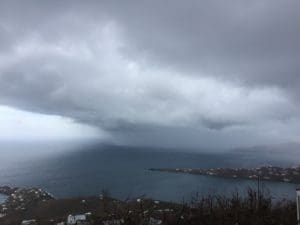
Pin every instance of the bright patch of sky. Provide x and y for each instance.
(20, 124)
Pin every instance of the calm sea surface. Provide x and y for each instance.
(2, 198)
(88, 169)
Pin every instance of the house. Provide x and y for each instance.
(153, 221)
(76, 219)
(28, 222)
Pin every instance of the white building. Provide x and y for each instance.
(72, 220)
(28, 222)
(153, 221)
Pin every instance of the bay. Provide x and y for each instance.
(2, 198)
(87, 169)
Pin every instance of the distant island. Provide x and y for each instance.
(268, 173)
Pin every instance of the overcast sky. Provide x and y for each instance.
(188, 74)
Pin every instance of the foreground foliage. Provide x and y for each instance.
(251, 208)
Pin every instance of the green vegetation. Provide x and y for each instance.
(249, 209)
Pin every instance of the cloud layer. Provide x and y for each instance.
(202, 73)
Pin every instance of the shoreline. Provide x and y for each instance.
(3, 198)
(267, 173)
(35, 206)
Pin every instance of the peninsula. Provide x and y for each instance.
(268, 173)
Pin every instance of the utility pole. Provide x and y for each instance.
(258, 191)
(298, 205)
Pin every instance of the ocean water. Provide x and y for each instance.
(80, 170)
(2, 198)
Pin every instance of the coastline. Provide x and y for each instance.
(35, 206)
(266, 173)
(3, 198)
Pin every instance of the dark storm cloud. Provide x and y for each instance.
(210, 68)
(253, 41)
(256, 43)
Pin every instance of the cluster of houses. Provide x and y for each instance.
(80, 219)
(19, 198)
(83, 219)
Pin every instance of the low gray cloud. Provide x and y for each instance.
(225, 73)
